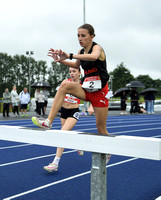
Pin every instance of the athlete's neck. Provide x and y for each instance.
(86, 49)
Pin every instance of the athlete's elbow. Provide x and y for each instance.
(94, 58)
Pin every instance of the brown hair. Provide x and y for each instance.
(89, 28)
(79, 69)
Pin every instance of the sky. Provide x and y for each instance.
(128, 30)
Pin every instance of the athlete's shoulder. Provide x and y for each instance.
(67, 80)
(96, 45)
(81, 51)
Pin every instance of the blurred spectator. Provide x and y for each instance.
(37, 91)
(141, 109)
(134, 101)
(47, 94)
(6, 102)
(146, 101)
(150, 102)
(15, 100)
(40, 98)
(24, 99)
(123, 103)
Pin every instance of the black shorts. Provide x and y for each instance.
(65, 113)
(23, 106)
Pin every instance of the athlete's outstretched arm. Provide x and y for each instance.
(60, 56)
(55, 55)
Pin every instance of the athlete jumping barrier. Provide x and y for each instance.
(99, 145)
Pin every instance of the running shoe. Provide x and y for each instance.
(80, 152)
(108, 156)
(41, 122)
(51, 167)
(27, 115)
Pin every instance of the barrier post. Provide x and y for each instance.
(98, 177)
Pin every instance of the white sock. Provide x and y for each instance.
(56, 160)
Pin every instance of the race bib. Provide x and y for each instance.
(71, 99)
(92, 84)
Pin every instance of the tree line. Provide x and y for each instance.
(122, 76)
(15, 70)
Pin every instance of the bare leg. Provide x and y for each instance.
(21, 111)
(44, 110)
(101, 117)
(65, 88)
(67, 124)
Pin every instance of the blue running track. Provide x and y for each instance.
(22, 176)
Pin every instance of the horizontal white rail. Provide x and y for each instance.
(132, 146)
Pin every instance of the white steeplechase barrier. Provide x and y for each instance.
(99, 145)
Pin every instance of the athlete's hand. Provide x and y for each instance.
(53, 53)
(62, 55)
(58, 55)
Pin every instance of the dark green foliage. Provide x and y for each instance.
(15, 71)
(121, 76)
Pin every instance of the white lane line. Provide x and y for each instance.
(127, 120)
(109, 123)
(10, 147)
(133, 125)
(157, 136)
(64, 180)
(146, 129)
(122, 123)
(109, 127)
(35, 158)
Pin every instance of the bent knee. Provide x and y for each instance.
(65, 85)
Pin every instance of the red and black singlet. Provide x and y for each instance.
(95, 68)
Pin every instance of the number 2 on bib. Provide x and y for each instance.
(92, 84)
